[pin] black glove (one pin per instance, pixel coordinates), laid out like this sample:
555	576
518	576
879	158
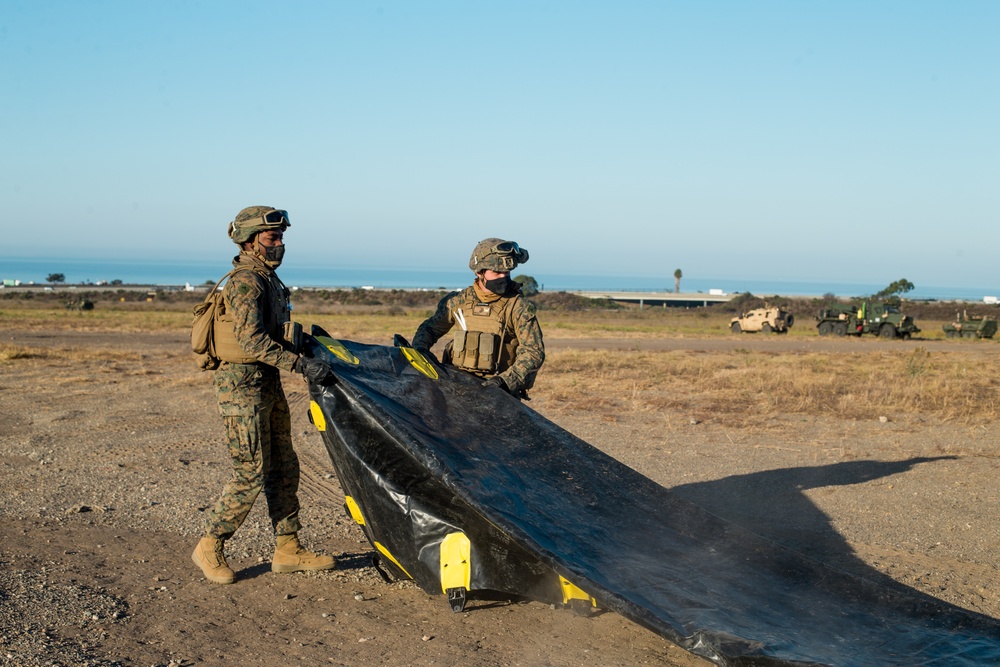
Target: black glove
314	370
497	381
399	341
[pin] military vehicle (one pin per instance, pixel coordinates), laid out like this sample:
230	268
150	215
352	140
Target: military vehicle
837	319
884	321
765	320
79	304
970	326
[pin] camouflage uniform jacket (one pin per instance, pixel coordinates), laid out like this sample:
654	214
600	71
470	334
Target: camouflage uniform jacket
521	350
259	304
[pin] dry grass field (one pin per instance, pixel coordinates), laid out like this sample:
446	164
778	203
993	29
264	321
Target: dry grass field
748	383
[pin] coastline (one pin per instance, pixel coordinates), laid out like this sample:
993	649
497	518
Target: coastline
94	274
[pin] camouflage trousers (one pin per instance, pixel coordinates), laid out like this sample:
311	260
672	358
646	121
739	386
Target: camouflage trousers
259	434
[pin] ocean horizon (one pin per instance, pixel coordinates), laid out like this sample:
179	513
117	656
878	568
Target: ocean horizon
175	274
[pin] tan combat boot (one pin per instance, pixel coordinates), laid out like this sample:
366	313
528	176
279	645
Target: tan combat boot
290	556
209	557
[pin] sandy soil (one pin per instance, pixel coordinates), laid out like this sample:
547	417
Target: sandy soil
111	450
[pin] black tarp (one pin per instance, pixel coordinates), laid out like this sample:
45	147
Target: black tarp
426	457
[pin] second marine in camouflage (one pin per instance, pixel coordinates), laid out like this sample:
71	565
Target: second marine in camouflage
497	336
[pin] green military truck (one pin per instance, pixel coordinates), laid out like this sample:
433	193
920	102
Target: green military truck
970	326
883	320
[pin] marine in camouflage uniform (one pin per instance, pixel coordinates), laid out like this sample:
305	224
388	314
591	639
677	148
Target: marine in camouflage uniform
252	402
498	337
253	405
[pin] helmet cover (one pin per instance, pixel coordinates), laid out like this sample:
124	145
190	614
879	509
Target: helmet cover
495	254
255	219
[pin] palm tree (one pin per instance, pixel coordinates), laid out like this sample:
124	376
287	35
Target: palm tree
677	280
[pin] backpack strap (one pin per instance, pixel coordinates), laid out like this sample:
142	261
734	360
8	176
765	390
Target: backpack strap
235	270
508	310
216	288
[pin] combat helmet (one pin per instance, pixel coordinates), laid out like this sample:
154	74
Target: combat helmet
497	255
254	219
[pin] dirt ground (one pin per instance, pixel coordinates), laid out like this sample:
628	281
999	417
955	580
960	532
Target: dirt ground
110	451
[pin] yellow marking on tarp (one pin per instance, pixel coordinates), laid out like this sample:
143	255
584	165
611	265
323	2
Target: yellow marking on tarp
319	421
338	349
456	562
419	361
571	592
355	511
385	552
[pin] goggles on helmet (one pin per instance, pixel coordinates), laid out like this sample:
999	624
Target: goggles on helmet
509	254
506	248
495	254
277	217
255	219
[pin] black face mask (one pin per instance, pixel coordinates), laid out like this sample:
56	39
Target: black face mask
498	286
272	254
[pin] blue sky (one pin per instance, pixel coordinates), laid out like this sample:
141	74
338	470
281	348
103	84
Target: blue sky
846	141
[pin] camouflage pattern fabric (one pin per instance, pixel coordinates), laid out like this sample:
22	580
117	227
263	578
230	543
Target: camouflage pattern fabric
483	257
259	308
522	326
250	221
254	409
258	433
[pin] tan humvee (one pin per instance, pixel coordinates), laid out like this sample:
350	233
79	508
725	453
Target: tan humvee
766	320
